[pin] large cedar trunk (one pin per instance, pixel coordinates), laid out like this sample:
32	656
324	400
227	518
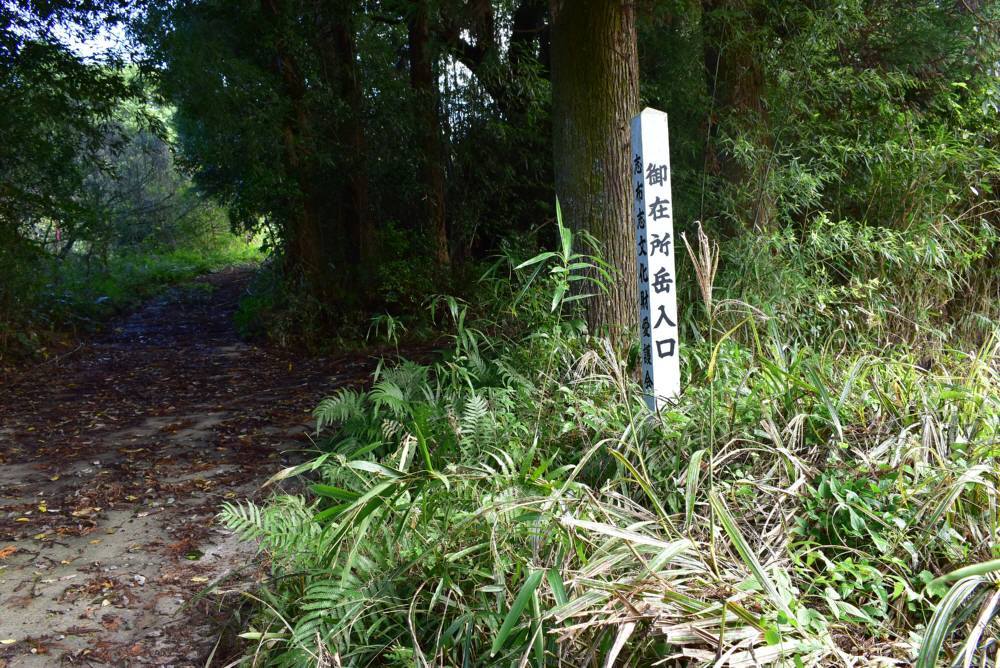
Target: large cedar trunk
595	93
330	240
303	253
425	87
736	83
358	247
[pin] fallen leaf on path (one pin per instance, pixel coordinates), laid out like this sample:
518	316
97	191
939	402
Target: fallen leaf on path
111	622
7	551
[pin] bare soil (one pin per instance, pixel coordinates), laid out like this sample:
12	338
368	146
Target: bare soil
115	459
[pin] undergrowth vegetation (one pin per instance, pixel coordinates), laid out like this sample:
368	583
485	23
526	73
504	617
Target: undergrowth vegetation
97	210
78	292
515	503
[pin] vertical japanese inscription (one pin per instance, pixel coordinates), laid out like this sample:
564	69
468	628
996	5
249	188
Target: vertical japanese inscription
653	217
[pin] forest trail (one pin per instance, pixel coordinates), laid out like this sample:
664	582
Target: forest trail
114	460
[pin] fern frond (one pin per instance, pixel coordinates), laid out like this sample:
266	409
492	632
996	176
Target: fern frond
474	413
244	519
339	408
387	394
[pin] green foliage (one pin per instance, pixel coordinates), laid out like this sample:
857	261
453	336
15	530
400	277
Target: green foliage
569	269
276	310
972	594
516	502
129	278
848	153
57	111
78	294
333	161
94	212
846	150
831	466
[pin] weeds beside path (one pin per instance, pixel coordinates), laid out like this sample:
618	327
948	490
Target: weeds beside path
115	458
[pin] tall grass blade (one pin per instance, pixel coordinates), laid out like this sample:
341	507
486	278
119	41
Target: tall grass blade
975	570
749	558
941	623
517	607
691	486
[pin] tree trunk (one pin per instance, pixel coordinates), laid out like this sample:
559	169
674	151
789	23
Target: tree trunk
425	87
595	93
304	251
338	51
736	82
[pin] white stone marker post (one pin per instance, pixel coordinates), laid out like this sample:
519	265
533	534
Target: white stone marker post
654	233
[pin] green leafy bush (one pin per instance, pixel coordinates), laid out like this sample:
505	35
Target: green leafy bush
516	502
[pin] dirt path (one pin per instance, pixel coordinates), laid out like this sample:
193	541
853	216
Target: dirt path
113	462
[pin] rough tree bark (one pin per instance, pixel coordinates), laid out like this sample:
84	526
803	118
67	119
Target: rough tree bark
330	240
736	82
304	251
595	93
425	86
340	67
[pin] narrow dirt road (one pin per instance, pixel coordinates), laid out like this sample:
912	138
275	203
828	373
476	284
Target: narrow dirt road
114	460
